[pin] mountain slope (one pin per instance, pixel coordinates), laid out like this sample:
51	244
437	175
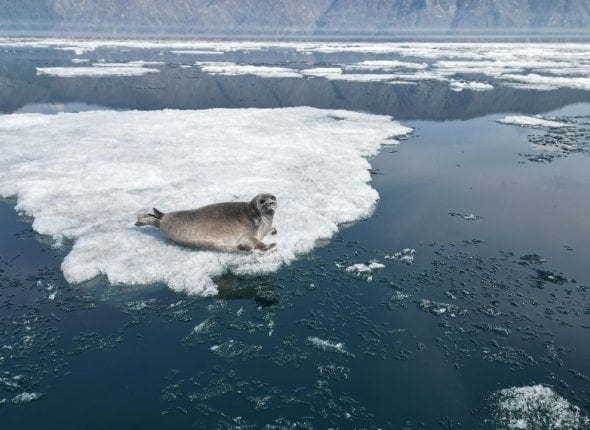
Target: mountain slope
369	17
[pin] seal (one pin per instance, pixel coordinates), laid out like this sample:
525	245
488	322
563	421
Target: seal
228	226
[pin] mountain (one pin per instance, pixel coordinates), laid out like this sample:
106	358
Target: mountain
296	17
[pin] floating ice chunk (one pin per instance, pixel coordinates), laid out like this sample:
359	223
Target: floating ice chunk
325	72
233	348
533	80
204	326
195	52
233	69
438	308
360	267
467	217
406	255
473	86
78	50
133	68
536	407
85	176
363	77
376	265
328	346
364	270
531	121
385	65
26	397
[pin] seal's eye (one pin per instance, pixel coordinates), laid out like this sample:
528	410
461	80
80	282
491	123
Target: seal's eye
262	201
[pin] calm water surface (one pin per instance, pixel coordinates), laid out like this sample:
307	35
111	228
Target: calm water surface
497	295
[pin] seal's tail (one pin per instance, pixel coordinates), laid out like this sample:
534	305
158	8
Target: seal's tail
150	219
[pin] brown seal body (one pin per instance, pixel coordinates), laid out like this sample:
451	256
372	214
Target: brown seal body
230	226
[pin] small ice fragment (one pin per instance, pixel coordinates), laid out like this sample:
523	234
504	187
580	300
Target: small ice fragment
536	407
26	398
376	265
328	346
359	267
406	256
202	327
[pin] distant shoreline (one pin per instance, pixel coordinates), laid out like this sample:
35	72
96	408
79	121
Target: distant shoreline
401	36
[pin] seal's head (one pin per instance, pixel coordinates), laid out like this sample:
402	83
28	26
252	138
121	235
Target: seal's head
265	203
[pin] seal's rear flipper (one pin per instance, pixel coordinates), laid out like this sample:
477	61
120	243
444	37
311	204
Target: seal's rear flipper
148	219
158	214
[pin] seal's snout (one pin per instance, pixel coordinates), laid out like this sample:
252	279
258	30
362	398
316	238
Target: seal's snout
266	203
271	204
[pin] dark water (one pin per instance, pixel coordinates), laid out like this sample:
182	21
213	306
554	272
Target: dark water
491	301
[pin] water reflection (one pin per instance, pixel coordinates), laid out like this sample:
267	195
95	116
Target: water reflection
183	86
261	289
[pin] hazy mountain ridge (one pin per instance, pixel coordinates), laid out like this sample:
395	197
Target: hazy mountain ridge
370	17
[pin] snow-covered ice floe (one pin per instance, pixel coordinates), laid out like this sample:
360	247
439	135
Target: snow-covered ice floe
531	121
536	407
85	177
132	68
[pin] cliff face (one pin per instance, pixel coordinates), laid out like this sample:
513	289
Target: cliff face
369	17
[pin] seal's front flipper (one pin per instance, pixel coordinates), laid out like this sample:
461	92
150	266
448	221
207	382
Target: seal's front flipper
252	243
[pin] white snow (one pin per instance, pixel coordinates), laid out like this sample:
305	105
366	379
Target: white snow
531	121
536	406
85	177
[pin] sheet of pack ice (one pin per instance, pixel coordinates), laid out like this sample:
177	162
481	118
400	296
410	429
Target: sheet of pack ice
85	176
539	66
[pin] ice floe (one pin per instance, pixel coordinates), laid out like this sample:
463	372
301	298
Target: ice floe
536	407
233	69
385	65
531	121
85	176
326	72
132	68
473	86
